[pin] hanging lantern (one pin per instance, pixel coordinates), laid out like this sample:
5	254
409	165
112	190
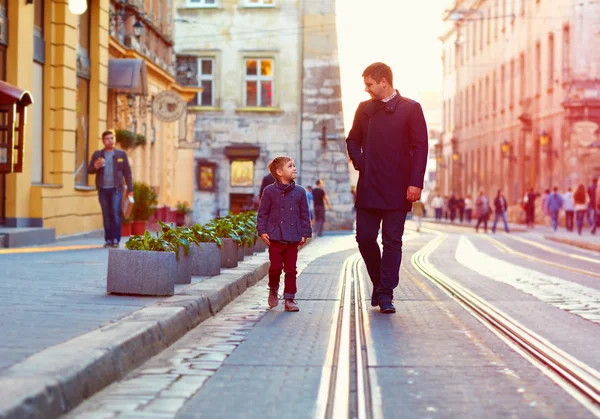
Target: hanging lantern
77	7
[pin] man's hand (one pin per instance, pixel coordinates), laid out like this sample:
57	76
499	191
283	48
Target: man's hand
303	241
99	163
130	194
413	193
265	237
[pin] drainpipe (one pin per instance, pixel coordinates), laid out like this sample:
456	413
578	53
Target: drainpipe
301	89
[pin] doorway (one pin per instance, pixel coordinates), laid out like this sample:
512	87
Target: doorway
2	199
239	202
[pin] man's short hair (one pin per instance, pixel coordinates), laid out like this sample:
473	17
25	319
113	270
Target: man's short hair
278	163
319	182
108	132
377	71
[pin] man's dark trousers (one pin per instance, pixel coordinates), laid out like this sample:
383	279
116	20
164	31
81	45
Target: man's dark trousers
384	270
319	219
110	202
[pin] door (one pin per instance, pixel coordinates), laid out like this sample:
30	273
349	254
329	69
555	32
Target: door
240	202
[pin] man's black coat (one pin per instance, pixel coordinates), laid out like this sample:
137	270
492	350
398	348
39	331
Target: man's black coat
388	146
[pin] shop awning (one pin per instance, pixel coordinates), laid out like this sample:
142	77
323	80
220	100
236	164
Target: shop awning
11	95
128	75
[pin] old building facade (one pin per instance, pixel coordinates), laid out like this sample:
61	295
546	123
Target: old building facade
521	96
270	74
66	62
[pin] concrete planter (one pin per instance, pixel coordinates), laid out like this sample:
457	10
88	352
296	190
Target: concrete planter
241	252
205	259
184	268
248	251
141	273
260	246
229	254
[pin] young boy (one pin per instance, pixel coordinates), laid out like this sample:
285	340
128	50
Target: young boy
284	225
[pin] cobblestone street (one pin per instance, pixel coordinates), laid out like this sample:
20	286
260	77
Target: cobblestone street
435	357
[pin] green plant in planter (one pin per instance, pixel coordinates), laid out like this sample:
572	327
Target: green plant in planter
176	237
206	234
149	243
245	226
126	139
140	140
145	201
224	227
183	208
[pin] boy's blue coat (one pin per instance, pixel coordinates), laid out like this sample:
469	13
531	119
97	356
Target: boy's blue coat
283	213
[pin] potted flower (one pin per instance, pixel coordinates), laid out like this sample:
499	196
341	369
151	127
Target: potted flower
145	204
245	227
126	139
205	250
147	266
179	241
224	228
126	225
182	209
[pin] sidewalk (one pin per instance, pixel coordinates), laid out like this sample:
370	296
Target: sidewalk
64	338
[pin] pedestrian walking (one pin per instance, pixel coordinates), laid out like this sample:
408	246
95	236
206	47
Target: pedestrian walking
468	209
418	209
482	208
592	210
283	223
311	202
446	207
320	199
452	207
460	203
581	200
569	207
500	206
268	179
555	204
388	146
529	201
438	205
545	208
111	166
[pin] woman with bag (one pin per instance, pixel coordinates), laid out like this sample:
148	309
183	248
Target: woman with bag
482	208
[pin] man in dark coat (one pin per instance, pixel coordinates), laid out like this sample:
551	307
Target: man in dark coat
388	146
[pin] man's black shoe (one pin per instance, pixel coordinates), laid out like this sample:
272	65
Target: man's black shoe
387	308
108	244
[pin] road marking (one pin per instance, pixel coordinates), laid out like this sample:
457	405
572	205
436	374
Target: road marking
22	250
536	259
552	250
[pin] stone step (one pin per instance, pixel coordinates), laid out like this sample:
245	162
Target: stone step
26	236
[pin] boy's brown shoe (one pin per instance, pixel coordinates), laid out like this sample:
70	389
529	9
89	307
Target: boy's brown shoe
273	298
291	305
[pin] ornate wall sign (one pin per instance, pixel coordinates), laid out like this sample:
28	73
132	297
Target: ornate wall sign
168	106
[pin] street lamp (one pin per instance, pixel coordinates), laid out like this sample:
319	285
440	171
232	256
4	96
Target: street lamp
130	100
544	138
138	28
77	7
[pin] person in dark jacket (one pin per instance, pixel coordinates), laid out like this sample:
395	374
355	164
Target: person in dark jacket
283	223
529	204
500	205
111	166
267	180
388	146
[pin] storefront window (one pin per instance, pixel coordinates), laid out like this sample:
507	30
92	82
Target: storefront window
82	102
3	45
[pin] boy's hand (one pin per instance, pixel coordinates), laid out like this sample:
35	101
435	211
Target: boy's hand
303	241
265	238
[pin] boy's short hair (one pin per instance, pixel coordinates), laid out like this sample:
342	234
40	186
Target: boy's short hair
108	132
278	163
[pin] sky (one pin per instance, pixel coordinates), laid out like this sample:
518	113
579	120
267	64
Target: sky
401	33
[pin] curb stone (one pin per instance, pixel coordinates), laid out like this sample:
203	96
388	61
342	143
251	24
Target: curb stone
576	243
55	380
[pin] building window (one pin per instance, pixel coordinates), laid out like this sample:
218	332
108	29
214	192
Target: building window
82	110
260	3
538	68
522	76
550	61
206	80
259	82
37	142
242	173
202	3
494	90
489	24
480	101
473	104
502	86
3	38
206	176
511	96
566	54
487	96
